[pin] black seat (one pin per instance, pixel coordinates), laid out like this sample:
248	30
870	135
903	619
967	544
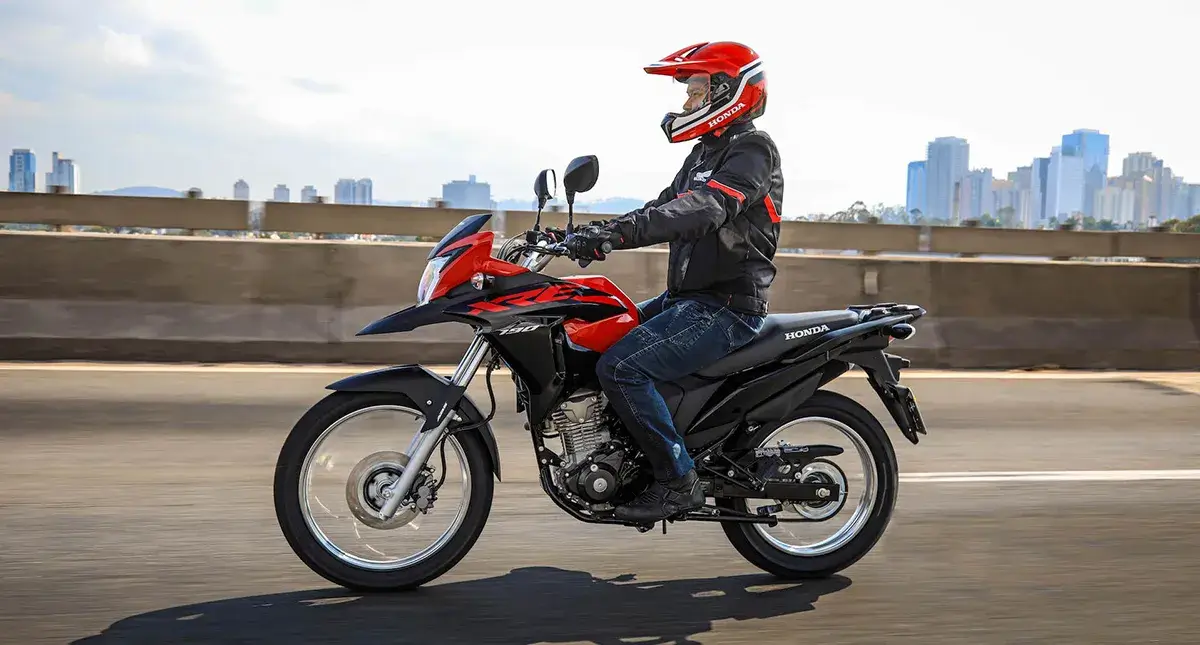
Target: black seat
773	340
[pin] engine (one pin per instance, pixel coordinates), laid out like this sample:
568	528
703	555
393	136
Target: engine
579	421
592	460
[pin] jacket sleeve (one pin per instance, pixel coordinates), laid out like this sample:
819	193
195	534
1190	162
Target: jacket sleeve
744	177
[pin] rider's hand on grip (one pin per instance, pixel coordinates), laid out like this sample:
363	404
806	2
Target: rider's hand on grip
589	243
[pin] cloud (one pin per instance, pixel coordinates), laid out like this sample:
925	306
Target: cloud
12	107
200	92
125	49
316	87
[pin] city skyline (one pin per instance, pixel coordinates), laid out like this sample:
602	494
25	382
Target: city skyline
1087	159
1072	183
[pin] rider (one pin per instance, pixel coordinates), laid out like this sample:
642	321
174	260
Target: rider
720	217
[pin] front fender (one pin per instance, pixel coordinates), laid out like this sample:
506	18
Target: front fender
428	391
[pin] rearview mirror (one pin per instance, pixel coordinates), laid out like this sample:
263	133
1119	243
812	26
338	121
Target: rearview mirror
581	175
544	187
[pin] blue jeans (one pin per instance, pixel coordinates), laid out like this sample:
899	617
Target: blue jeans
677	337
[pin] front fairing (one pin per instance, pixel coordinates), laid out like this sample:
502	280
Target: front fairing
466	228
454	306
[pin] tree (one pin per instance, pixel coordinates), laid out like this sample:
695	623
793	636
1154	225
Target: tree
1190	225
1008	217
857	212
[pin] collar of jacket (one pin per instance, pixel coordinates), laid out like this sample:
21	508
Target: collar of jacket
714	142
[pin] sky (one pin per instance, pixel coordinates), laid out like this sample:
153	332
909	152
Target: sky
182	93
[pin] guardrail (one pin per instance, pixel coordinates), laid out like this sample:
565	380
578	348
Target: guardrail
189	215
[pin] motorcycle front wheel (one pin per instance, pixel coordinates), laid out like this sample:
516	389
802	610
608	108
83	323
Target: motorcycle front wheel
331	480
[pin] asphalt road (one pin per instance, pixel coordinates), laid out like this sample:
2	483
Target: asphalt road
136	508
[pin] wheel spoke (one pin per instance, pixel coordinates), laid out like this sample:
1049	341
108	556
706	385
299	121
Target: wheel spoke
355	532
823	470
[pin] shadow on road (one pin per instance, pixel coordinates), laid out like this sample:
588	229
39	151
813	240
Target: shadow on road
530	605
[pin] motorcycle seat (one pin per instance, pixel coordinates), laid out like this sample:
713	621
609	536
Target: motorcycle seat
780	333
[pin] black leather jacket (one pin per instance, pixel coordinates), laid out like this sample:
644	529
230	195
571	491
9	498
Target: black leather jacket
721	217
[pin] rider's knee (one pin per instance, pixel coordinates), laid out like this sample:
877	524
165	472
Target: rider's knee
606	368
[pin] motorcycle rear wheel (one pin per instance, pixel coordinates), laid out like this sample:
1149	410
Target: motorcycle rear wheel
793	563
290	509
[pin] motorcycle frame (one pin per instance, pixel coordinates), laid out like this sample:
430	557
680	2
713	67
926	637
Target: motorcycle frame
707	411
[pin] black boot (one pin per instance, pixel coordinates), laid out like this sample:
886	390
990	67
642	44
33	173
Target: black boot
661	501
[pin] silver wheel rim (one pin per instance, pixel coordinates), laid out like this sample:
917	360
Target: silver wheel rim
372	565
862	510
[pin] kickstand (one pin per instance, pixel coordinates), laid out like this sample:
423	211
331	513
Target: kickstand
664	523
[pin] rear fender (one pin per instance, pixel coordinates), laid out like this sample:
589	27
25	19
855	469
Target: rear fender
431	393
883	372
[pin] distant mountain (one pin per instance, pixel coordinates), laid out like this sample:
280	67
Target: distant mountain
142	191
611	206
411	203
614	205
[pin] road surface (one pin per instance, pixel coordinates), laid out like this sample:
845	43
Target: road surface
137	509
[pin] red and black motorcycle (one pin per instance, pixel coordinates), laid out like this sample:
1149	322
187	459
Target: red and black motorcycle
352	525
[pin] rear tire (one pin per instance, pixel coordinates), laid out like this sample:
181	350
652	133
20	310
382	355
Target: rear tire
751	544
289	510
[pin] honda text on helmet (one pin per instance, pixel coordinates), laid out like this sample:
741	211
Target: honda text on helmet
725	83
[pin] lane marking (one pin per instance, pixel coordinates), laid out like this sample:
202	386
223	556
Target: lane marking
1051	476
1178	378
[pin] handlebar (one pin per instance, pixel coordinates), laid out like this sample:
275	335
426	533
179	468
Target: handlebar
560	249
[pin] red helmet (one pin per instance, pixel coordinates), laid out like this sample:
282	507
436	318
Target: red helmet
726	85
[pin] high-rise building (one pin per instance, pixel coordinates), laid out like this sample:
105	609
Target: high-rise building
1162	194
351	191
915	200
1064	198
1144	193
241	190
308	194
1137	162
467	194
64	173
364	192
22	171
1194	200
1092	146
1022	198
946	166
1039	190
1005	196
343	191
282	193
980	201
1180	199
1116	204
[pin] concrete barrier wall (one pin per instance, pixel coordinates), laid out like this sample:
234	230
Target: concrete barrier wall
218	214
107	297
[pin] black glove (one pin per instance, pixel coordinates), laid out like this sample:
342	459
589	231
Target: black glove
590	243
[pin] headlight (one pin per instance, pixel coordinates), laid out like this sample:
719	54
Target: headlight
429	279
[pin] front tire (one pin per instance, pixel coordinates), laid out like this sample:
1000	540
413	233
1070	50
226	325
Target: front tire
290	508
748	539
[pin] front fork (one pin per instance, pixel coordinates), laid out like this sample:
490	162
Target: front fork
422	445
434	429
